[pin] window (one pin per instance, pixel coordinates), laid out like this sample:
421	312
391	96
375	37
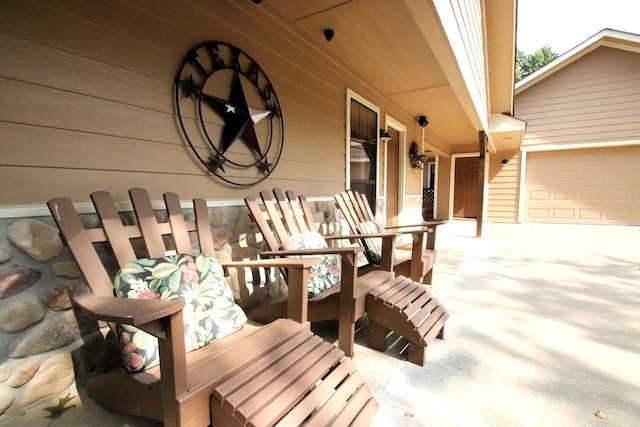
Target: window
362	150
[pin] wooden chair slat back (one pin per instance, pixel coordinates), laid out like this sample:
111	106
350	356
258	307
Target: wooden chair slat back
205	238
114	230
148	223
178	224
262	220
297	212
306	214
348	212
363	202
286	211
275	216
82	249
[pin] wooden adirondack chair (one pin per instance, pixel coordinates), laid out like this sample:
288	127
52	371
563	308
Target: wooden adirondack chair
280	217
392	303
280	373
416	262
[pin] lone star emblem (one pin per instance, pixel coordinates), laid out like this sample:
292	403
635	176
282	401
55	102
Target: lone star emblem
222	97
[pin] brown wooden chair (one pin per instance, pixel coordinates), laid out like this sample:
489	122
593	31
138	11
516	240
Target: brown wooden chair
392	303
277	374
281	216
416	261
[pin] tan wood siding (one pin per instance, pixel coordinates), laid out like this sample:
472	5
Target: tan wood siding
503	193
587	101
86	99
597	186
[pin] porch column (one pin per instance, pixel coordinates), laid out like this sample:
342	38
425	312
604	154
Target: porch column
482	142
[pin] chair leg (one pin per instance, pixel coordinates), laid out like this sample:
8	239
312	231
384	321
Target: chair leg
428	277
441	334
377	336
417	354
346	336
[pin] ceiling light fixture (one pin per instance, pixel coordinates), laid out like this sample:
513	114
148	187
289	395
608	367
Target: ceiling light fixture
328	34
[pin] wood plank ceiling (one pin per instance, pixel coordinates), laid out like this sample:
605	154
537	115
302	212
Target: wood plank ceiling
382	41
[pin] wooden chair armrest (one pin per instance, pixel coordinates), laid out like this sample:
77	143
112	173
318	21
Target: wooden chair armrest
128	311
405	229
428	228
274	262
349	250
428	225
298	275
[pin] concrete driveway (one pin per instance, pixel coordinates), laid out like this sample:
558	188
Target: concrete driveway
544	331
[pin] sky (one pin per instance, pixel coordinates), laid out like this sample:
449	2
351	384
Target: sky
564	24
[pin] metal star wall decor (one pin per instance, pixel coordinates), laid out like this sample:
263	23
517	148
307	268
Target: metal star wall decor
229	113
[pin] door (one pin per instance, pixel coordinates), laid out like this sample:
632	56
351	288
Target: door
393	181
593	186
465	190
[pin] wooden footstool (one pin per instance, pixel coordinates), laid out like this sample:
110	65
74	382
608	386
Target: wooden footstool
409	309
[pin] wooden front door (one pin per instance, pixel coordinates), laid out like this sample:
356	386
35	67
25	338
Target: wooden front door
465	190
392	165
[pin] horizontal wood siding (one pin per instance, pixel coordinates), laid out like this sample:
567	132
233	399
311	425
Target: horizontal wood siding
86	98
504	180
590	100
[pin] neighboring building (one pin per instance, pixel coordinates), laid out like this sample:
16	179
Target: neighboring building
580	158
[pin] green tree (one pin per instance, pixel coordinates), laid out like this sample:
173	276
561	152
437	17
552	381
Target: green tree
527	64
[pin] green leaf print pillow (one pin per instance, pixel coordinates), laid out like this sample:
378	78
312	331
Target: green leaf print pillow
323	275
210	312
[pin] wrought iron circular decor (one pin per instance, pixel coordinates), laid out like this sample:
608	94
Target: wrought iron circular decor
229	113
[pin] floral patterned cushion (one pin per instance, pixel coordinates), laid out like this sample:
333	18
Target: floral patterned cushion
210	312
373	245
324	275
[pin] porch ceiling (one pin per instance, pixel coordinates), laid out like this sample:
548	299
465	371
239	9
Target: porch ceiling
385	43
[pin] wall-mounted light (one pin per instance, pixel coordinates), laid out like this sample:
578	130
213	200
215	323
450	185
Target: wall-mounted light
384	135
423	121
328	34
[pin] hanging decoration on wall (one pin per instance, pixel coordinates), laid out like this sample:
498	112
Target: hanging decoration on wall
416	158
229	113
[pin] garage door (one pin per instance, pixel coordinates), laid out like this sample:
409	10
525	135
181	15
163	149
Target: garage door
596	186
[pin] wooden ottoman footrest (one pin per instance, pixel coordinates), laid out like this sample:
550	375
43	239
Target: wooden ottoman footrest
298	381
409	309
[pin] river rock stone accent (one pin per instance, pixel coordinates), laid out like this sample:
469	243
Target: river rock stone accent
35	238
58	297
68	269
24	374
17	279
24	311
54	376
223	217
45	336
5	253
5	373
6	400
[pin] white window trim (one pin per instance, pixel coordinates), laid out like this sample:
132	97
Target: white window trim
390	122
353	95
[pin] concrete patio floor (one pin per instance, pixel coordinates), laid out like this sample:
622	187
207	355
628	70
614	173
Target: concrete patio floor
544	331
